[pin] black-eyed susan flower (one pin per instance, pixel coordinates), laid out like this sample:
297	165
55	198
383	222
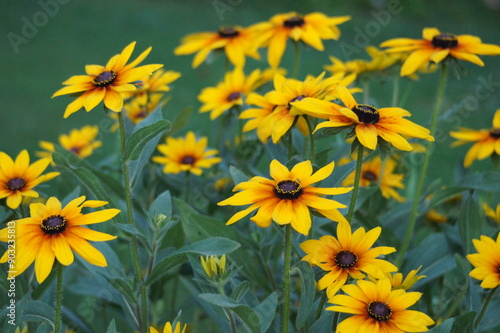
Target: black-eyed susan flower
81	141
350	254
237	42
398	282
436	47
381	173
487	141
283	98
486	261
168	328
493	214
186	154
287	197
311	29
434	216
230	92
257	114
106	83
213	266
376	308
55	232
153	84
19	177
369	122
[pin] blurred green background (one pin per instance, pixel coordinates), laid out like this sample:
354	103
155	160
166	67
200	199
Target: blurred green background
77	33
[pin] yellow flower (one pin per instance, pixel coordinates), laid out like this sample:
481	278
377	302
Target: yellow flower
287	197
371	174
186	154
349	254
284	113
230	92
213	265
237	42
106	83
18	178
81	141
435	216
397	281
487	141
311	29
152	84
136	111
436	46
493	214
169	329
369	122
376	308
486	261
53	232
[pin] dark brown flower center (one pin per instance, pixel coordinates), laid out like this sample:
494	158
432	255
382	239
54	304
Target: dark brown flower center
233	96
379	311
228	32
188	160
54	224
346	259
295	21
370	176
104	79
298	98
445	41
495	133
366	113
76	150
288	189
15	184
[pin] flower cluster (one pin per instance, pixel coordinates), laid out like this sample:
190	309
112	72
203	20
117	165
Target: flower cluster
351	234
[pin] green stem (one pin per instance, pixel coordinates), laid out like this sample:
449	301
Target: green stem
130	216
228	311
423	171
357	176
456	303
335	322
321	305
296	59
290	144
59	298
485	306
366	91
395	89
286	278
188	185
311	139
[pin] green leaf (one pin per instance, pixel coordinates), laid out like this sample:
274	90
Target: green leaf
39	312
212	246
469	222
111	327
237	175
87	179
124	287
444	327
266	311
197	227
161	205
464	323
181	119
483	181
139	139
307	292
240	291
247	315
